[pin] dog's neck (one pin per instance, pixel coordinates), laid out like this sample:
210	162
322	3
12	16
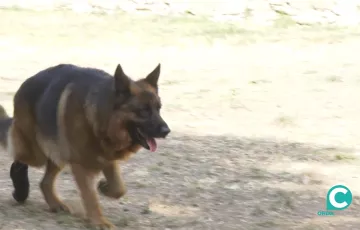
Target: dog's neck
98	106
114	144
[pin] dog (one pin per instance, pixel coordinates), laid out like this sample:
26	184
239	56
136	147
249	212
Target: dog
85	118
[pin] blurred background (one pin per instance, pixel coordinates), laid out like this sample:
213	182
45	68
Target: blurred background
262	98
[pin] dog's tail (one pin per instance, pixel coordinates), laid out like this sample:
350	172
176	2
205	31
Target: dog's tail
5	122
18	170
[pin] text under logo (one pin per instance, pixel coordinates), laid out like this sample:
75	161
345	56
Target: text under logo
339	197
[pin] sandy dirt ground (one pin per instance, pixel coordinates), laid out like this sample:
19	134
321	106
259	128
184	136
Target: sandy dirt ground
264	121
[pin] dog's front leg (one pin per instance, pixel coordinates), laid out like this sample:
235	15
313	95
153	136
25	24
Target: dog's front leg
113	186
85	180
47	187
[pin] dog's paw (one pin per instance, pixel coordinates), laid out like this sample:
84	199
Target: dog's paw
110	191
103	186
102	224
59	207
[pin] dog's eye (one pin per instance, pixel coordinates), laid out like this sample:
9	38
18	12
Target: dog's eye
116	107
145	112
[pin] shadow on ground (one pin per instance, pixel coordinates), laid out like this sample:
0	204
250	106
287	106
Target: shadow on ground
208	182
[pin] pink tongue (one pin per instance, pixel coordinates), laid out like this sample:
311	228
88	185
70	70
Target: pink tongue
152	144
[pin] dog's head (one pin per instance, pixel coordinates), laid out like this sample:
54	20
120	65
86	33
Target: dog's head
136	109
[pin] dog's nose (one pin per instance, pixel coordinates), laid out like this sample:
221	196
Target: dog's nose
164	130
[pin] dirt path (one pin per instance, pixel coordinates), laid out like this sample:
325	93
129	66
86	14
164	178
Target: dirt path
264	122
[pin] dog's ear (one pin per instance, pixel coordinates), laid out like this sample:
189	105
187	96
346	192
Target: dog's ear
122	81
153	77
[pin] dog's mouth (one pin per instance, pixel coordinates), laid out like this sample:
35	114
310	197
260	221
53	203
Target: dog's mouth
147	142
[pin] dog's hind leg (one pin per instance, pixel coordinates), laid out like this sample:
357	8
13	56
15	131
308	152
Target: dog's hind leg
25	152
47	187
23	147
20	180
113	186
18	170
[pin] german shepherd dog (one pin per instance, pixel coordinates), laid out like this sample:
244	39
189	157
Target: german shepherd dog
87	119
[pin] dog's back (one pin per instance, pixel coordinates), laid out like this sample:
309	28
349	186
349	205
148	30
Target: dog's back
39	107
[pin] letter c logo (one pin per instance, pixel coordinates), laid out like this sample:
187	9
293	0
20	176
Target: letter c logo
339	197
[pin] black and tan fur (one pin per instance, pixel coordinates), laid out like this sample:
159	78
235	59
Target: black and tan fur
85	118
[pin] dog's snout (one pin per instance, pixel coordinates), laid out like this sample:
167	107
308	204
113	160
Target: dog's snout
164	130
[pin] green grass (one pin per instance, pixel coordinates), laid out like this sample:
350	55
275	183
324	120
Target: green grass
342	157
63	28
284	121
